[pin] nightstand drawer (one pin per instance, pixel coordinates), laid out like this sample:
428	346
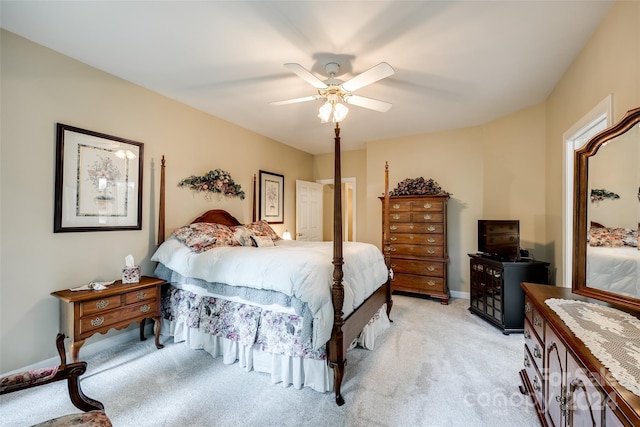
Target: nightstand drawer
140	295
99	305
90	324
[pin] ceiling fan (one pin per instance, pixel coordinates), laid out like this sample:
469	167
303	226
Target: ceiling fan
336	91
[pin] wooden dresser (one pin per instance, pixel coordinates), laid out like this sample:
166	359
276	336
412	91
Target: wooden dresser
568	385
418	244
85	313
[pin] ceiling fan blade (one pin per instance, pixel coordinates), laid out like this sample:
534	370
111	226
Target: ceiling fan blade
373	74
306	75
372	104
293	101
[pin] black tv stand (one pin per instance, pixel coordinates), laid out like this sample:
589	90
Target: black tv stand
495	291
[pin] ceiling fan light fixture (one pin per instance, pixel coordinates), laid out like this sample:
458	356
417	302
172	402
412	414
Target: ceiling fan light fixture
338	110
325	112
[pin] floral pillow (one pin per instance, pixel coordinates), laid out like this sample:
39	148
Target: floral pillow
263	229
202	236
607	237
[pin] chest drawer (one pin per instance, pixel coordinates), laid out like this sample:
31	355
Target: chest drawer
427	268
533	344
417	250
418	283
100	305
417	239
427	206
417	228
427	217
534	375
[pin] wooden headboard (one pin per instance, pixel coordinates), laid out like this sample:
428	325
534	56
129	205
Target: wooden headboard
218	216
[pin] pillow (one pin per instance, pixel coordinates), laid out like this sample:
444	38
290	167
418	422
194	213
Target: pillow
202	236
262	242
606	237
263	229
243	236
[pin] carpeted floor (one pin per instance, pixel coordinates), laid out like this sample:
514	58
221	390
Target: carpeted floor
436	366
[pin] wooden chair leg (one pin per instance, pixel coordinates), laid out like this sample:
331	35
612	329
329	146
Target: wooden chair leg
79	399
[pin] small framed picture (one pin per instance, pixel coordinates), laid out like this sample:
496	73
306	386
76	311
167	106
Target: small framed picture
271	197
98	183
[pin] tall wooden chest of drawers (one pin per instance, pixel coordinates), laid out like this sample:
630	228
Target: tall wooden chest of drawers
418	244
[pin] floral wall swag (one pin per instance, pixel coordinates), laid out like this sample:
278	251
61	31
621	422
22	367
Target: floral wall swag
216	181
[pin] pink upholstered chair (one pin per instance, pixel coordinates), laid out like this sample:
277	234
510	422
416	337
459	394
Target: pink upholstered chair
94	411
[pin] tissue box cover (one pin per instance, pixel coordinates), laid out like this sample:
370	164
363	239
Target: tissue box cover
131	274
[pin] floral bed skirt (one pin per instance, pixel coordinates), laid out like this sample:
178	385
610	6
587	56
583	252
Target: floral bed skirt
258	339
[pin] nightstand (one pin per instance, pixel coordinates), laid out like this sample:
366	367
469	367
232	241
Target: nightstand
85	313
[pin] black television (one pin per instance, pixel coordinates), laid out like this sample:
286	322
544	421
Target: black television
499	239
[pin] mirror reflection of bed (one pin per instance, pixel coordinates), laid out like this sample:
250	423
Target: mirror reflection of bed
613	255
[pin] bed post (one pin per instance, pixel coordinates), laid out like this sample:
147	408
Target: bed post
336	350
386	232
161	220
255	196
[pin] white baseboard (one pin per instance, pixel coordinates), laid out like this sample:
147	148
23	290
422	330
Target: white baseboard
460	294
91	349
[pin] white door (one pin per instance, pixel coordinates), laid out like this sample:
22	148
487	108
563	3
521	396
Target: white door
308	211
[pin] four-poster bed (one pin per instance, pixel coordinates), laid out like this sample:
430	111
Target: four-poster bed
319	319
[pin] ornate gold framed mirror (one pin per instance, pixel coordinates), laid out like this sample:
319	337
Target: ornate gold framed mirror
606	220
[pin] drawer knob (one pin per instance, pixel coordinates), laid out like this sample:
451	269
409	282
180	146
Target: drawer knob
431	251
537	321
527	362
527	308
412	226
527	334
537	353
393	227
392	248
427	216
431	228
396	217
431	283
97	321
102	304
411	237
145	308
431	240
536	384
393	239
431	268
427	205
141	295
393	265
396	206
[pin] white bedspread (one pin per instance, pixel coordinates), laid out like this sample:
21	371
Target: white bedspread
614	269
295	268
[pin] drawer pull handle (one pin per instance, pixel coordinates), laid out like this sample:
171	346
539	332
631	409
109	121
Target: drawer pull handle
393	227
427	205
392	248
536	384
141	295
393	239
396	217
102	304
527	362
412	226
431	240
497	274
145	308
431	283
396	206
537	321
527	334
97	321
431	228
536	352
393	265
411	237
431	268
427	216
431	251
527	308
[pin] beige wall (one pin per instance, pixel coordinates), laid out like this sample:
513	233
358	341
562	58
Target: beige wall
39	89
608	64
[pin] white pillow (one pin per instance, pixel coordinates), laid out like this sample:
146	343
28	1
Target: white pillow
262	241
243	236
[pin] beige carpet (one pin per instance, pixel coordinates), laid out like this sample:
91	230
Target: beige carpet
436	366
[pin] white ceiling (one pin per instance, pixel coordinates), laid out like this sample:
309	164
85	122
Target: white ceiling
457	63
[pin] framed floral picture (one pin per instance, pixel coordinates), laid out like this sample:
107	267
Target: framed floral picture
271	197
98	184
